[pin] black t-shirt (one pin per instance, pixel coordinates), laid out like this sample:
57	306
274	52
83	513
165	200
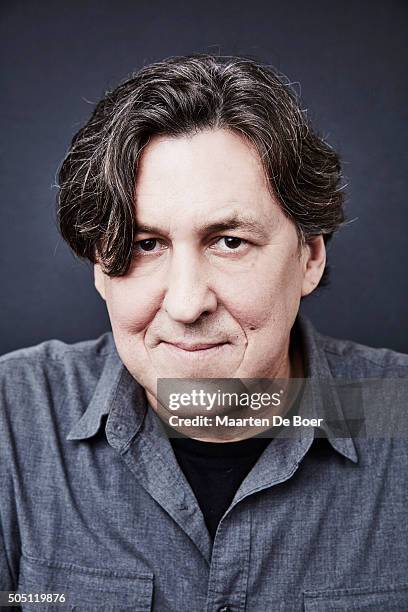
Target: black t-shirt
215	471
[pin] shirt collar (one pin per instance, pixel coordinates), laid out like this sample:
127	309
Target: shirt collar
116	392
118	395
324	399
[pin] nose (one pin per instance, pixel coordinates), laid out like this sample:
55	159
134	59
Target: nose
188	295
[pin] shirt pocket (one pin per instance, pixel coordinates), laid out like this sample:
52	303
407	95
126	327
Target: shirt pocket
392	598
85	588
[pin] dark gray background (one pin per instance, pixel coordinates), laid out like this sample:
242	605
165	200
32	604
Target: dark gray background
349	57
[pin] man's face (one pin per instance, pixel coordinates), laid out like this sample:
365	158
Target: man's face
217	275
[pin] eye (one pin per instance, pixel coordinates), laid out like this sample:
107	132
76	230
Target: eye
148	245
230	243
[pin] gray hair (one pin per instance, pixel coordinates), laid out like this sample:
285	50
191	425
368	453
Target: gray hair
180	96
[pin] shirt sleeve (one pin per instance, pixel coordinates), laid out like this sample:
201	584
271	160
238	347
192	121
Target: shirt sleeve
9	533
6	581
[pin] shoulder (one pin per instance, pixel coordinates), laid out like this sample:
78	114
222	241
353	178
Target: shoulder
349	358
39	379
57	350
52	355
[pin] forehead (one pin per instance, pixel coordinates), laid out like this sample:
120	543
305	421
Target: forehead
200	175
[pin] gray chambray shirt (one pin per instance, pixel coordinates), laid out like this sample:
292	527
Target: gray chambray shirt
94	505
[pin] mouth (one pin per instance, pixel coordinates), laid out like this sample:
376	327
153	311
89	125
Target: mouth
196	349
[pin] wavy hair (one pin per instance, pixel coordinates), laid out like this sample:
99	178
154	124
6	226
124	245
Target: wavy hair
179	96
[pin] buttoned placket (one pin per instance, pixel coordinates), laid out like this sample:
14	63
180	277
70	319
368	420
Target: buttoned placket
137	434
149	456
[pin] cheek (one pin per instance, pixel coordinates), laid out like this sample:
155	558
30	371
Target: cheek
268	292
131	308
250	305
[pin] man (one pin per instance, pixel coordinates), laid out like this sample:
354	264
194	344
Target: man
204	200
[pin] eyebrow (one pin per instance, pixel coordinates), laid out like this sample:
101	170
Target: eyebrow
234	221
237	222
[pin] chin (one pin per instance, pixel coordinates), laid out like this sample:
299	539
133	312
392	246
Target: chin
196	372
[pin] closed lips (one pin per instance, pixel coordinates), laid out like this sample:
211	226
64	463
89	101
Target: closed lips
201	346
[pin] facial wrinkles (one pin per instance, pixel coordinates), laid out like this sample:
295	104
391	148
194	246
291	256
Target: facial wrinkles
212	328
234	316
131	306
217	326
255	294
183	272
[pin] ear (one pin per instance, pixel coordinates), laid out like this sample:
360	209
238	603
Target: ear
314	260
99	280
